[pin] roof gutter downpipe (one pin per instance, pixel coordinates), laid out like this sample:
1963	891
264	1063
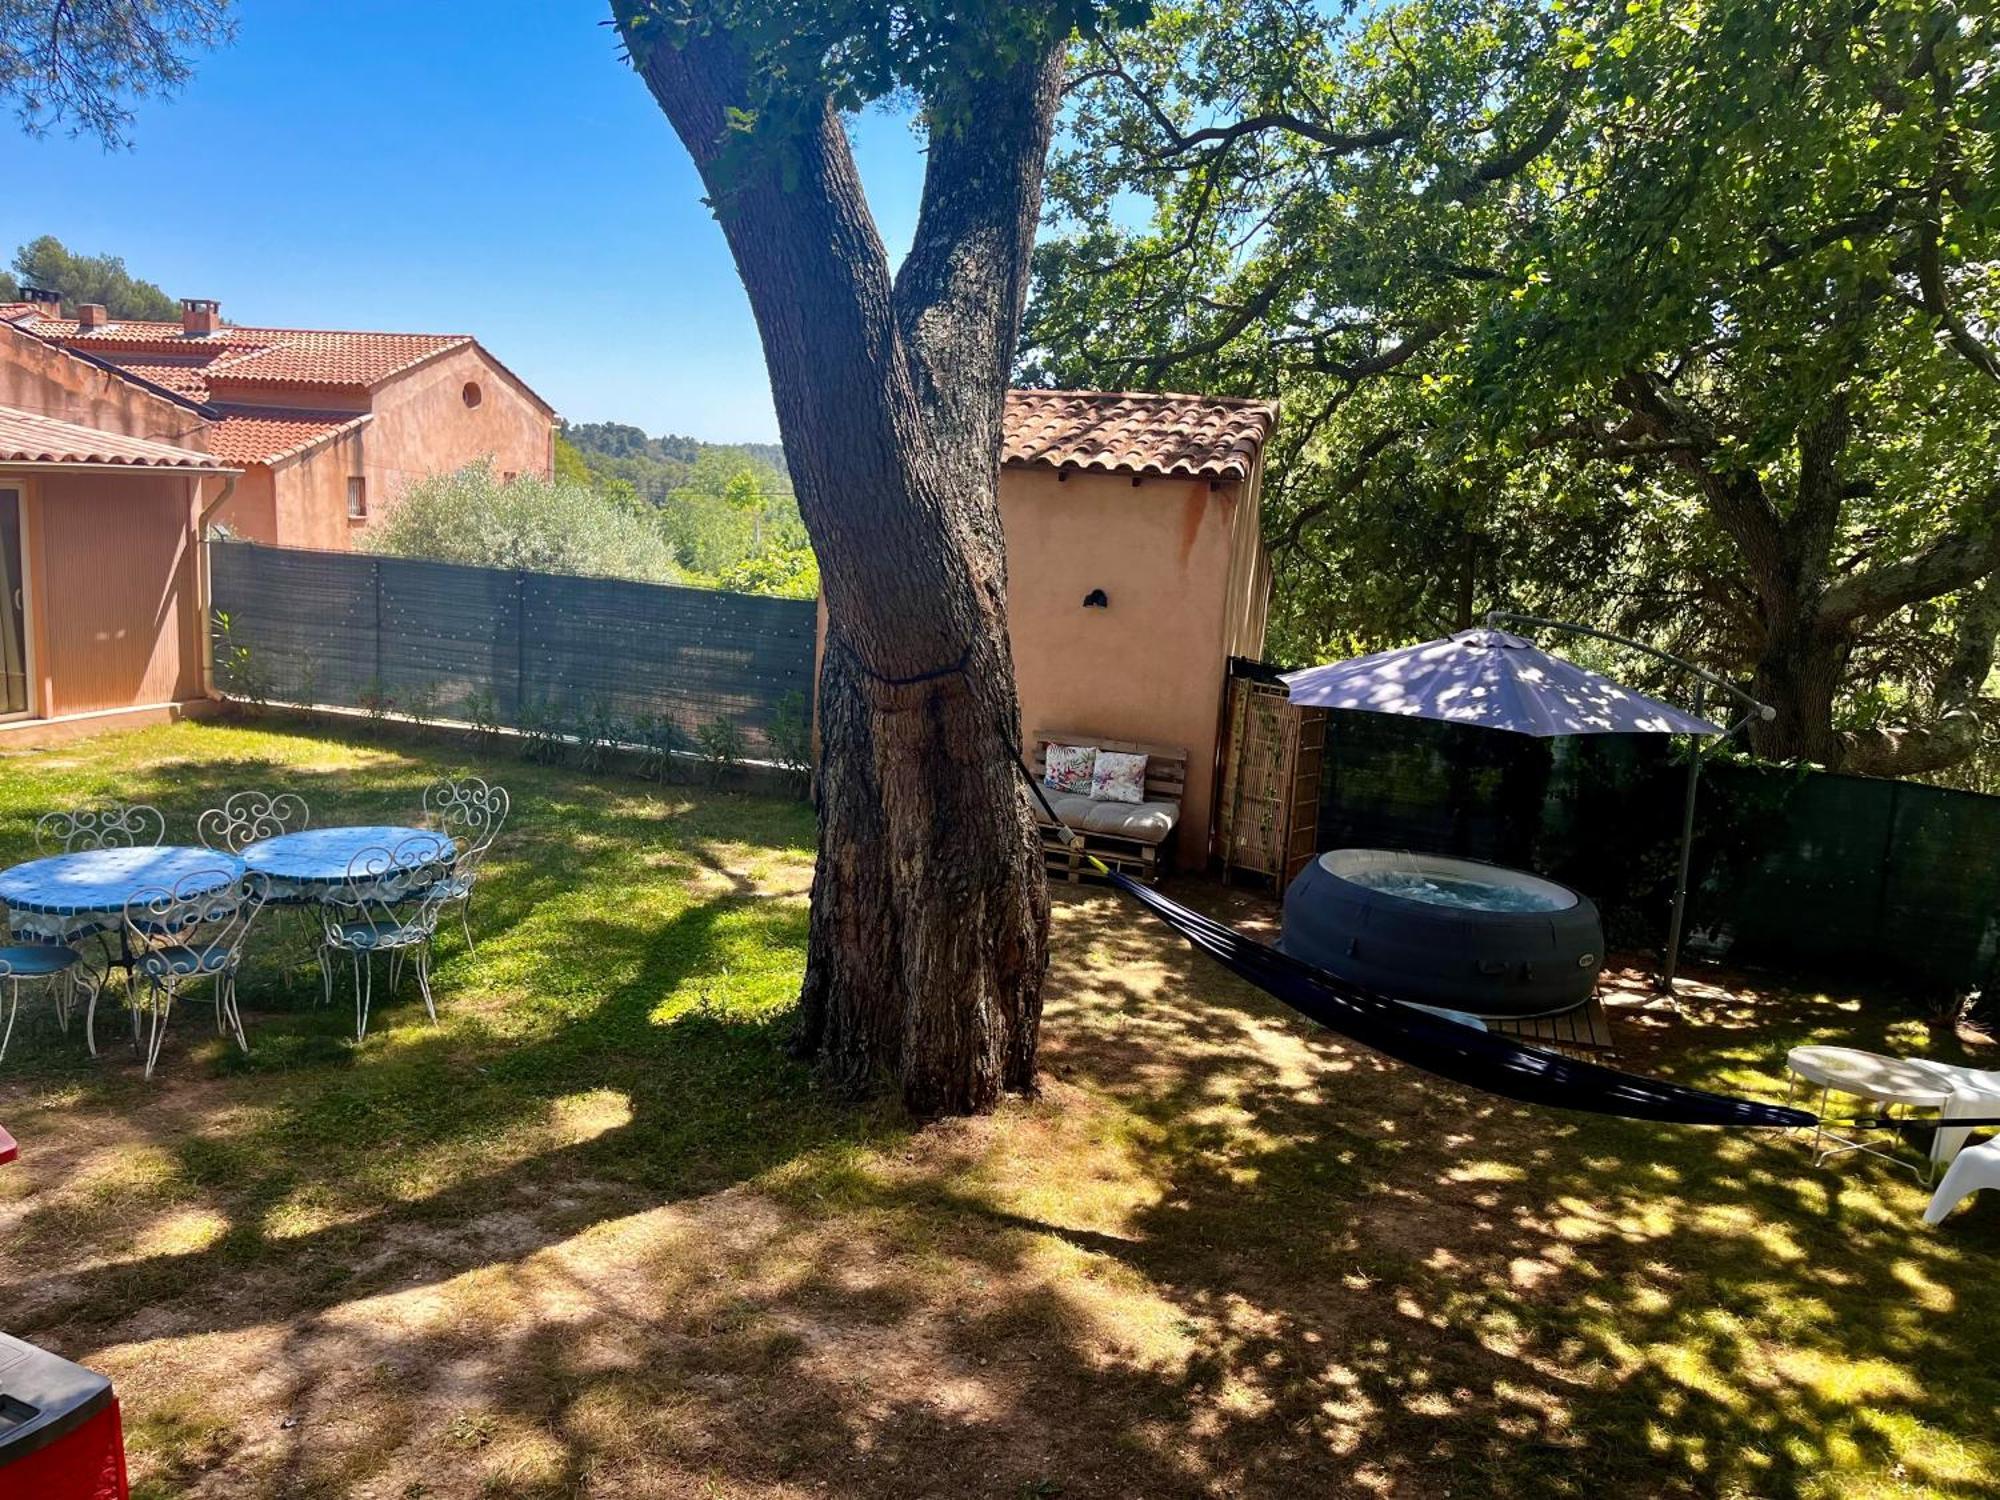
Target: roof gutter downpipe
202	589
1704	680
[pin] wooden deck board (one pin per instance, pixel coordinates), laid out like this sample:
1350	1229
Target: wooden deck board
1587	1029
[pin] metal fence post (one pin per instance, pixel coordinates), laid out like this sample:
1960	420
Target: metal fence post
520	645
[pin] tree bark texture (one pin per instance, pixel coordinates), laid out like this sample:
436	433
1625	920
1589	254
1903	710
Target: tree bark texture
928	938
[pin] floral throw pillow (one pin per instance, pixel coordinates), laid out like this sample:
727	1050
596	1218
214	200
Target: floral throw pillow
1118	778
1069	767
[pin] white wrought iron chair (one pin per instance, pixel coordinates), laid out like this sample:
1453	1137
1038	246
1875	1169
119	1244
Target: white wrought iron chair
389	904
119	825
470	812
191	932
115	825
249	817
61	968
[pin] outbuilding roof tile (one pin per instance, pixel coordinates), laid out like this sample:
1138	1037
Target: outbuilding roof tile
264	435
1137	432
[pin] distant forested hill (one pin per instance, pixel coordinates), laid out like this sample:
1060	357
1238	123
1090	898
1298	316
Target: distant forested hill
726	509
657	466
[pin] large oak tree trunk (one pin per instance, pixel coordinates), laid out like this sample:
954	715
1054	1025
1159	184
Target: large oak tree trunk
1798	673
929	924
929	909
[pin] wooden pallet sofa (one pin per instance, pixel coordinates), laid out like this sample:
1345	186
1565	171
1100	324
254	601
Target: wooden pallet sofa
1131	837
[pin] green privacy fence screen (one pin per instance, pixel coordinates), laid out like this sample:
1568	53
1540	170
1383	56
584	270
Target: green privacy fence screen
352	630
1816	872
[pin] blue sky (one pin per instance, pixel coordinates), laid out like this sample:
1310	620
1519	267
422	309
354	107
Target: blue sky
489	169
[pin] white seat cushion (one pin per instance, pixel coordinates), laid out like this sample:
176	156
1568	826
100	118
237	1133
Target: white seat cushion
1147	822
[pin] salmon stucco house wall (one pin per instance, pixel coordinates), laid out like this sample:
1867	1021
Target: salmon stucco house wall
1135	570
123	443
328	427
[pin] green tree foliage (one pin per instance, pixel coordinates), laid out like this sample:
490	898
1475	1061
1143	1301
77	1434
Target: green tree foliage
47	262
727	510
546	526
80	65
1669	314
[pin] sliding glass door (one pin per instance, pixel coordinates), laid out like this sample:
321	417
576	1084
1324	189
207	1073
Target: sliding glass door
13	609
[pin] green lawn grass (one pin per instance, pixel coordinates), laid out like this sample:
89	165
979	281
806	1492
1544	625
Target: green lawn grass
597	1234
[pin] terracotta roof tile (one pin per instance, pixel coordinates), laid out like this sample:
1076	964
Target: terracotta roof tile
262	435
177	376
29	438
1136	432
238	356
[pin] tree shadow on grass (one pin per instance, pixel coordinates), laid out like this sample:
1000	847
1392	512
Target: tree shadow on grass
1230	1255
1338	1278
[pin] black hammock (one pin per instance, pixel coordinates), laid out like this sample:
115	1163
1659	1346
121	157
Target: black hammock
1452	1049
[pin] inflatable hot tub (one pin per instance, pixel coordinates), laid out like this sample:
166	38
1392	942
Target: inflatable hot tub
1454	933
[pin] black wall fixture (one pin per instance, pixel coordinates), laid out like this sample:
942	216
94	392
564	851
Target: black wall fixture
1097	599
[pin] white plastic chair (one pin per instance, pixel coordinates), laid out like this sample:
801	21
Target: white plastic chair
1973	1168
1975	1095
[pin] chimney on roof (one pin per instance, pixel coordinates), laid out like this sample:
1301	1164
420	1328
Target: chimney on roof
48	303
91	315
200	316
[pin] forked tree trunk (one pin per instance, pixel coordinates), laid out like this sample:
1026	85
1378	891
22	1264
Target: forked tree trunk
929	910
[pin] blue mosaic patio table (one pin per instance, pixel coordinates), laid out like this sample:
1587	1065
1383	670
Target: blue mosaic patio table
305	866
69	895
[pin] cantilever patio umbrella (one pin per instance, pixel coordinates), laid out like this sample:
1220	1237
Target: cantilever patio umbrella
1495	680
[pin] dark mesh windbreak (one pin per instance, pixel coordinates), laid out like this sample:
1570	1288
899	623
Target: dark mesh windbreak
351	630
1821	872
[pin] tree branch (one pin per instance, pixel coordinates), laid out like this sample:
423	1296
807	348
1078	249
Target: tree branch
1954	561
1735	497
959	295
1179	142
1937	302
1341	142
1384	360
1510	163
1349	481
1961	713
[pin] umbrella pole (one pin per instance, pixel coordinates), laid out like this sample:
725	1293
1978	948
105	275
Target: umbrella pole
1673	952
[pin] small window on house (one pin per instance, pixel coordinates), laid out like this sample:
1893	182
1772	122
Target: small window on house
508	476
471	394
357	499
